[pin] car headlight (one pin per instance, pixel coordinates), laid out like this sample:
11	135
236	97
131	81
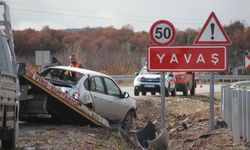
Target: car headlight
137	79
142	79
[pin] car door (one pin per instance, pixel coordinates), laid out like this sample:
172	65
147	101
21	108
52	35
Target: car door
97	90
117	107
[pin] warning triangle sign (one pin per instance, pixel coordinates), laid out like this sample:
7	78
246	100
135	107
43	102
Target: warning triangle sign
212	33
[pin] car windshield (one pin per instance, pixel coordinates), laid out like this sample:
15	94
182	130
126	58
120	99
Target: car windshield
145	71
67	76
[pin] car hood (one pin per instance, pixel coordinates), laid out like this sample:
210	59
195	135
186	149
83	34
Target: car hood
64	89
149	76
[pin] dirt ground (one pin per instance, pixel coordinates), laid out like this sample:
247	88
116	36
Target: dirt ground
186	117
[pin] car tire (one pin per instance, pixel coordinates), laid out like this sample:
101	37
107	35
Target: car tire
173	93
143	93
136	92
185	92
166	92
192	91
127	122
152	93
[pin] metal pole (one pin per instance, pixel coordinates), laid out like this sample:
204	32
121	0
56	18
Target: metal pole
211	116
162	113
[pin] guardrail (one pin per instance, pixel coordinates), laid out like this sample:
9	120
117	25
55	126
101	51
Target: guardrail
235	109
221	78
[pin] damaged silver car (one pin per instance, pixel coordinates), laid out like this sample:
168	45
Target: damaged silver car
96	90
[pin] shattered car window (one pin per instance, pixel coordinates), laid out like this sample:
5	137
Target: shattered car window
63	75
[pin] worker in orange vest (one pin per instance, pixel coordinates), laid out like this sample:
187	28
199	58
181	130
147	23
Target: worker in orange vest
73	63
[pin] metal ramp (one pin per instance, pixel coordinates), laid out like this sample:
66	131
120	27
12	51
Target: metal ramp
60	103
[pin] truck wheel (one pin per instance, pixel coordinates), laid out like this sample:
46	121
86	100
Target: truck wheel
11	142
185	92
136	92
166	92
127	122
152	93
143	93
173	93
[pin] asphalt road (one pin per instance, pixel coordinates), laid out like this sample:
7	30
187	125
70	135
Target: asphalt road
200	89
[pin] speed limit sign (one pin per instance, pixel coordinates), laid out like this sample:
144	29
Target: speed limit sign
162	32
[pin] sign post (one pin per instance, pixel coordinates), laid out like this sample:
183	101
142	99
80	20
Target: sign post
162	33
212	33
162	113
211	103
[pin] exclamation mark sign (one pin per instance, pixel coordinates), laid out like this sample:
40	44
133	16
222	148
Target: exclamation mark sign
212	30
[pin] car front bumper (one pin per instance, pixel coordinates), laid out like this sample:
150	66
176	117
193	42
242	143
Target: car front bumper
180	87
148	88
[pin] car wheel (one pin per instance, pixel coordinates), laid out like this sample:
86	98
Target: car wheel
192	91
127	122
185	92
136	92
166	92
173	93
152	93
143	93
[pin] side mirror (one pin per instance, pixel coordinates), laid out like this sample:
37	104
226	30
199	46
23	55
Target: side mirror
21	68
125	95
137	73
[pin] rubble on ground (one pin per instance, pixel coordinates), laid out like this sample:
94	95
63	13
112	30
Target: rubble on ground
187	122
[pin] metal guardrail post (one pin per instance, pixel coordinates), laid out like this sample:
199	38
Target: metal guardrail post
248	115
222	108
225	94
235	108
244	114
236	117
240	112
230	107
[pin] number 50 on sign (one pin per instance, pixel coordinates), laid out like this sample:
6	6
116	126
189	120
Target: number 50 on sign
162	32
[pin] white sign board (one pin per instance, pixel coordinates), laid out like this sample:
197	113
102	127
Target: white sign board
42	57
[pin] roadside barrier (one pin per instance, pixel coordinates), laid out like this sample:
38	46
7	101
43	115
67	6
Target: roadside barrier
203	78
235	109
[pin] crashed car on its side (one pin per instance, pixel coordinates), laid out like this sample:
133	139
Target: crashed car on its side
96	90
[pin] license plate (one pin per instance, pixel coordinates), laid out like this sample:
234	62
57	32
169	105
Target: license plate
149	86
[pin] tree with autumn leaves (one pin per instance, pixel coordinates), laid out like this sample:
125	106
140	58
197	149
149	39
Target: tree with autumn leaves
110	50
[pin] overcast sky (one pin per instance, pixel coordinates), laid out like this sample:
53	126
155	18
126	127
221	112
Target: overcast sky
141	14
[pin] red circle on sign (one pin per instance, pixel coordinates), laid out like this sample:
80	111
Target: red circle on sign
165	37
